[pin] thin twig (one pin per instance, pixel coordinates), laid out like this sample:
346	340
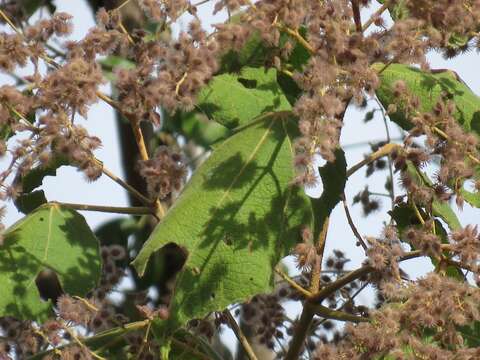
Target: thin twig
240	335
297	36
306	318
320	248
417	212
145	340
446	137
10	22
127	186
134	210
328	313
389	140
180	82
293	283
125	31
122	4
99	338
328	290
352	224
190	349
82	345
383	151
375	15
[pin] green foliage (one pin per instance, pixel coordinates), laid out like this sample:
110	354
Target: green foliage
237	217
234	100
473	198
397	9
116	231
29	199
254	53
428	87
29	7
51	238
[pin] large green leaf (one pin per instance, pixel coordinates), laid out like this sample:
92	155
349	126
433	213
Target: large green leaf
234	100
50	238
429	88
237	217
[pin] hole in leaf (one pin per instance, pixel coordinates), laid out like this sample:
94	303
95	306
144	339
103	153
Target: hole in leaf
227	240
212	295
249	84
41	219
170	260
48	285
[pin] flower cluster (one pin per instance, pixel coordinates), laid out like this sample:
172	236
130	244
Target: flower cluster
164	173
398	324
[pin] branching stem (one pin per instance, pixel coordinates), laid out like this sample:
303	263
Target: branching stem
293	283
383	151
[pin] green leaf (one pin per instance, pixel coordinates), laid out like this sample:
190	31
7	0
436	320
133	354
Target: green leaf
29	7
29	200
234	100
34	178
429	87
237	217
334	177
49	238
397	9
254	53
116	231
473	198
